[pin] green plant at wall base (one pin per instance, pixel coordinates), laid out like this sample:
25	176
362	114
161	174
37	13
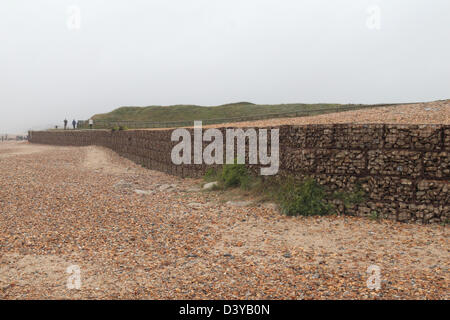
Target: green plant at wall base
114	129
246	182
307	198
234	175
374	215
349	199
210	175
123	128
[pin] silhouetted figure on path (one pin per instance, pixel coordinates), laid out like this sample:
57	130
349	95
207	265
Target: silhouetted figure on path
74	124
65	124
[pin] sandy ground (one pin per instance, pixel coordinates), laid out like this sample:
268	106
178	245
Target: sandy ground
12	148
66	206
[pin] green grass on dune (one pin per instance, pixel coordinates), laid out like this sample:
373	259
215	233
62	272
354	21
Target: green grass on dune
193	112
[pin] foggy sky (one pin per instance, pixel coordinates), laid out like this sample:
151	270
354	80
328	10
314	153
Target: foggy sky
209	52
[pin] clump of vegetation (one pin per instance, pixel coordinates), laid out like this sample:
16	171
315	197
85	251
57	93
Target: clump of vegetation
349	199
211	175
307	198
114	129
234	175
374	215
229	176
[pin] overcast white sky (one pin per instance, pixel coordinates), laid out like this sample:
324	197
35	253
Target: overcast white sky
209	52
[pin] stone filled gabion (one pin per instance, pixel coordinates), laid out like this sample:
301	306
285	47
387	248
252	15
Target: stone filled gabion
404	169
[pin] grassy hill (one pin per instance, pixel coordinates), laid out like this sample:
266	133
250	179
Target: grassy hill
193	112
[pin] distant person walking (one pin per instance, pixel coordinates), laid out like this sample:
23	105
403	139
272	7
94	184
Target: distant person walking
65	124
91	123
74	124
